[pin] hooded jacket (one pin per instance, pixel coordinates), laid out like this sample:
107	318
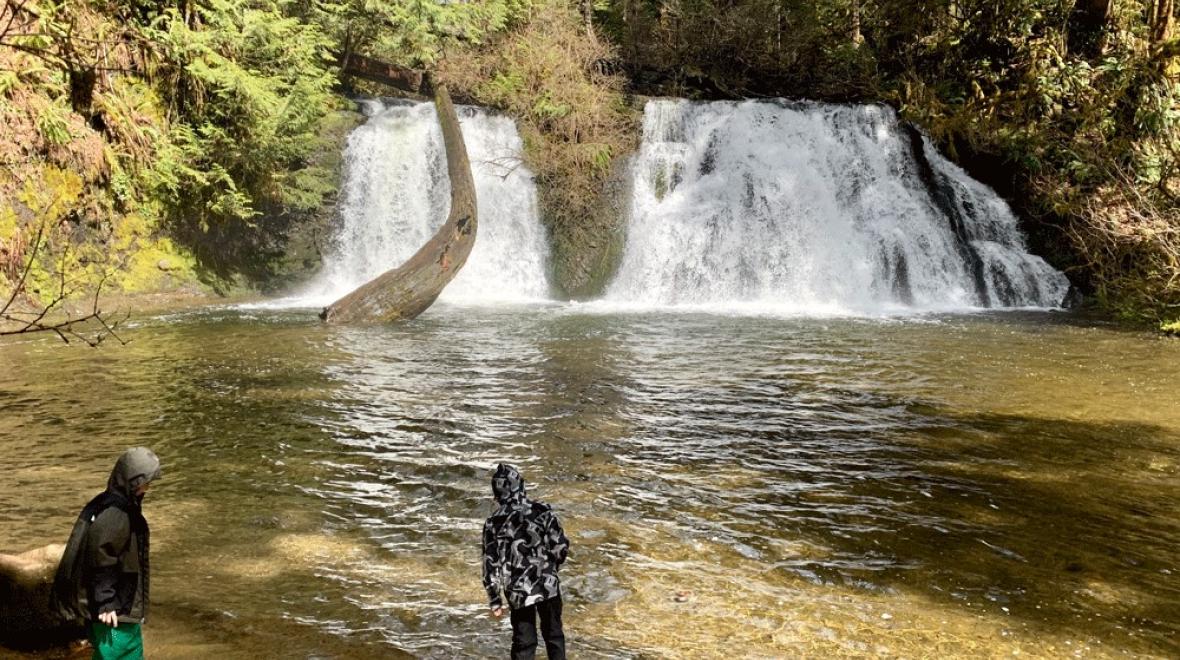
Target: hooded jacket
523	545
105	565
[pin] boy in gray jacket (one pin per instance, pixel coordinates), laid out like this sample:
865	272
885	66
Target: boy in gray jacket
103	577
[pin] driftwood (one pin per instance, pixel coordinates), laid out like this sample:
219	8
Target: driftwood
408	290
25	581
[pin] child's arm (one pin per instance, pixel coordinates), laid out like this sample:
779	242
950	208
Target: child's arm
491	565
559	545
109	536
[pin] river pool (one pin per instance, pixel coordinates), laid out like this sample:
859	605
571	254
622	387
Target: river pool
960	485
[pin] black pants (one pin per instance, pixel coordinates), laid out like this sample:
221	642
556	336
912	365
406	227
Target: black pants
524	630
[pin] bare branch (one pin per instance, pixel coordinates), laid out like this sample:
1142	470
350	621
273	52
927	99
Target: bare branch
28	322
14	10
507	164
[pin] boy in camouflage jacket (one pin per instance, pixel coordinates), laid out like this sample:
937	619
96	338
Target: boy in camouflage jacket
523	546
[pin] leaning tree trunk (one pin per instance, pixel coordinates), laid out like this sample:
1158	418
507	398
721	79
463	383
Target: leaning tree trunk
1087	27
406	291
1164	47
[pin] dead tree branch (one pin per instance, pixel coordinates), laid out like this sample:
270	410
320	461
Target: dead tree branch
46	317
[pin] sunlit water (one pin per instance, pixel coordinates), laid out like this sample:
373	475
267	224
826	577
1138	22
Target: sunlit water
979	485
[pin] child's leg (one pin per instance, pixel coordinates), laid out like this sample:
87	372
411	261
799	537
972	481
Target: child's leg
524	633
550	612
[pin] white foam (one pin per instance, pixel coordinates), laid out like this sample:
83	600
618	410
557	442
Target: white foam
816	210
396	194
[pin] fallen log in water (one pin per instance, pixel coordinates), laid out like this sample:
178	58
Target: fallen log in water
408	290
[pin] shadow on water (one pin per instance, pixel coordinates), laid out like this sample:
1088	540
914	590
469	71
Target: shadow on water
1067	526
1057	525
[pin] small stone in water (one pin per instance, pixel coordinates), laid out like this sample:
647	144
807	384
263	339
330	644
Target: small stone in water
682	596
887	616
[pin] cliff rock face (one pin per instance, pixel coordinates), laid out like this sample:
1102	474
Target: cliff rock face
408	290
586	254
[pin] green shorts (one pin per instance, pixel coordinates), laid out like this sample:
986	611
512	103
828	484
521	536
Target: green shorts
122	643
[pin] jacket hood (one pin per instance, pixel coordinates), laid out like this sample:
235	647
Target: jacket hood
507	484
136	467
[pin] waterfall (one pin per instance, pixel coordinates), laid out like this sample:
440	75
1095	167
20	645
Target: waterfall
396	193
814	208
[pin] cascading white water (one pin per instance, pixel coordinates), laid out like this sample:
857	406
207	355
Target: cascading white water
396	193
815	208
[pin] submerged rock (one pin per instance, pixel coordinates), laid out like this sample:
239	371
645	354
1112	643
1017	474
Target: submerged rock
595	587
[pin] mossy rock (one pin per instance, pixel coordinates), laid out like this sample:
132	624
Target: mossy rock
586	253
26	620
305	232
281	248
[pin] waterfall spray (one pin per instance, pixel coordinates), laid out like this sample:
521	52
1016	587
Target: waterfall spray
396	193
815	208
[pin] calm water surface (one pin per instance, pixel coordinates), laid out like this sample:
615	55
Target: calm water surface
734	487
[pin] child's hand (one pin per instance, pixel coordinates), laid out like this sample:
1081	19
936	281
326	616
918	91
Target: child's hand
497	612
109	618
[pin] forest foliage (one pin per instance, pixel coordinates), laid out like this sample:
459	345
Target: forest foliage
157	141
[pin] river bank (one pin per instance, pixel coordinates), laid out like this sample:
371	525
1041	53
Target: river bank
123	308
